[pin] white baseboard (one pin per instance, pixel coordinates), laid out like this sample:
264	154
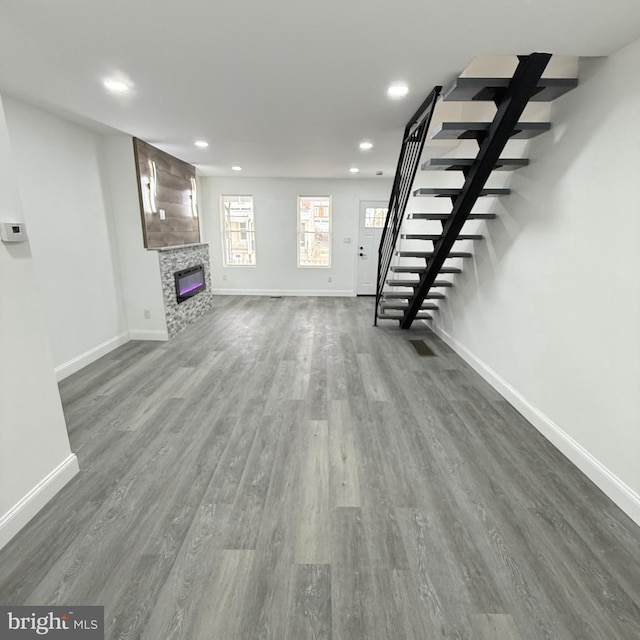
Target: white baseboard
158	335
20	514
625	497
337	293
75	364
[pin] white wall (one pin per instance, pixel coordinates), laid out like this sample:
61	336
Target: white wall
35	457
141	284
66	207
549	309
275	204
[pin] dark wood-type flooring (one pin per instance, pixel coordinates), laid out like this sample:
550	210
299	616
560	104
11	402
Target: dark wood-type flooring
282	470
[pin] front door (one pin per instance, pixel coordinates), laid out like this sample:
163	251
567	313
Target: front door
373	214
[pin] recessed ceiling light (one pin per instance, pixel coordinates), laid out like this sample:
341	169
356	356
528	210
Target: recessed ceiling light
236	168
354	170
398	90
116	86
365	145
202	144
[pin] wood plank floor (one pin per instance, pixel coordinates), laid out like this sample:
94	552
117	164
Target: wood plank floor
282	470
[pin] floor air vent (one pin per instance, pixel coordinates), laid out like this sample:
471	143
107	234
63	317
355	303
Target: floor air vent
421	347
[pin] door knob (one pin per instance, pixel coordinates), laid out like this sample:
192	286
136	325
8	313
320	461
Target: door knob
361	254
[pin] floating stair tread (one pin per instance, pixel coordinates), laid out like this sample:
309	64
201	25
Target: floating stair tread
458	164
429	254
418	269
445	216
448	192
399	295
437	236
415	283
466	89
399	315
468	130
415	269
427	306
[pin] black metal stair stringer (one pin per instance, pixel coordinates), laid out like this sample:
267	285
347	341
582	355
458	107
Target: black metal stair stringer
521	88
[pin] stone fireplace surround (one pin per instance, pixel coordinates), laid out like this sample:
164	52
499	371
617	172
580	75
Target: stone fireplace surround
174	259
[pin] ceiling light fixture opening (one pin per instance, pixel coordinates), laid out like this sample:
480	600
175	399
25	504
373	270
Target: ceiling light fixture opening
398	90
365	145
236	168
354	170
201	144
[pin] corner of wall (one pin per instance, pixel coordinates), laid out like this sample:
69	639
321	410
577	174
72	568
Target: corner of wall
140	280
20	515
35	457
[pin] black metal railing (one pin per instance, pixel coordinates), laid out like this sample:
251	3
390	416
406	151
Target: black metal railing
415	134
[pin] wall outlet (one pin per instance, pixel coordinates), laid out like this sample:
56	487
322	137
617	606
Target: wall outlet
162	214
147	314
329	279
224	276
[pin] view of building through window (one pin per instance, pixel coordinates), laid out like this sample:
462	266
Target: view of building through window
314	231
375	217
238	230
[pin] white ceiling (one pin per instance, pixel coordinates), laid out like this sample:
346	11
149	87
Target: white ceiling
285	88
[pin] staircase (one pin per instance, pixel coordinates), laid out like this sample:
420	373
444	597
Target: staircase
409	280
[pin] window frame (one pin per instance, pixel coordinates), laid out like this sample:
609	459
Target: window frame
299	231
227	247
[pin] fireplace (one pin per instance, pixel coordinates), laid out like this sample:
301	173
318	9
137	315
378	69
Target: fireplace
189	282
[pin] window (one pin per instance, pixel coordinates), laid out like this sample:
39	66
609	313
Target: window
375	217
314	231
238	231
